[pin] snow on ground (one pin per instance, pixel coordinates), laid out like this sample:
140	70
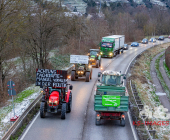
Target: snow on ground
19	109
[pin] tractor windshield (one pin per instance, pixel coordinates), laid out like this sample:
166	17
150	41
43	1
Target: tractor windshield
107	45
111	79
93	53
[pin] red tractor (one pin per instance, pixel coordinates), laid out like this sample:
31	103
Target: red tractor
55	99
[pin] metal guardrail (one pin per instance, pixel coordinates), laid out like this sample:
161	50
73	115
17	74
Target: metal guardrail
140	107
18	123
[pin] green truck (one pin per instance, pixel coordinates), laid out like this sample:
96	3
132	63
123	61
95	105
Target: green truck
111	100
94	57
112	45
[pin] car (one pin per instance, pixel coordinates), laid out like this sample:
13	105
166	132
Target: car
145	41
161	38
135	44
152	39
126	47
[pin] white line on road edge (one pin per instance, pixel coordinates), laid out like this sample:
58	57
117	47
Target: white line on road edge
29	127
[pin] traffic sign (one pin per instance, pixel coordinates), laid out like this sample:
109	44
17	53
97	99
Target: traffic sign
10	84
11	92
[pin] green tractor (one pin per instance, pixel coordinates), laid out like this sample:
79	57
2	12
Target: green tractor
81	70
94	57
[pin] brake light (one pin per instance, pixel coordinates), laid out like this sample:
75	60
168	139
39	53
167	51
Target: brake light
123	116
98	115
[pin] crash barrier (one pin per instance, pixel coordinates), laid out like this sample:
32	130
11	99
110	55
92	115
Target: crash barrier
19	122
150	131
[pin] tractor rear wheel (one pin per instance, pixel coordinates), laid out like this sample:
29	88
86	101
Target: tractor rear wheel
69	104
91	75
87	76
97	64
63	111
42	110
72	75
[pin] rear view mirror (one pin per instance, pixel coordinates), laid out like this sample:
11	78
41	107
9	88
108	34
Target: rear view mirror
99	74
71	87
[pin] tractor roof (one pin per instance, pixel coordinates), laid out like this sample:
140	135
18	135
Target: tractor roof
94	49
111	72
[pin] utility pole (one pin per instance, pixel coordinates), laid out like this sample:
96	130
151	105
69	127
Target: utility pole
100	7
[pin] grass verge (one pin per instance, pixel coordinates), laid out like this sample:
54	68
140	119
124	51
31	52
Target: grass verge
140	75
166	69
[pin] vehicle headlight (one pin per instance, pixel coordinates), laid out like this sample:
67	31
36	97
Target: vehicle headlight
81	72
50	101
101	53
89	66
56	102
110	53
78	71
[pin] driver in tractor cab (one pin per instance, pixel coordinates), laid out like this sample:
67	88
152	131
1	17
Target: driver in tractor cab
111	80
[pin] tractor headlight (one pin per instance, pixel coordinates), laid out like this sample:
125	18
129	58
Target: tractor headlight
89	66
101	53
110	53
78	71
56	102
81	72
50	101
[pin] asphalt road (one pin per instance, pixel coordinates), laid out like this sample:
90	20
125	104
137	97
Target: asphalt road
80	123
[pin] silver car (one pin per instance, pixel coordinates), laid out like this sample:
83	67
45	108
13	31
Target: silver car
152	40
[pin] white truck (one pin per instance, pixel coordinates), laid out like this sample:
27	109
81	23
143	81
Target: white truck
112	45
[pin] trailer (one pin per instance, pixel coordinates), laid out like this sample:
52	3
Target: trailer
112	45
111	99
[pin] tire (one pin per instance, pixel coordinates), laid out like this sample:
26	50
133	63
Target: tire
98	121
87	76
122	122
91	75
42	110
63	111
72	75
69	105
97	64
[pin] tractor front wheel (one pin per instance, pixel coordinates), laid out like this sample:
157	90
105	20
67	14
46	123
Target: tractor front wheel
42	110
72	75
63	111
97	64
87	76
69	104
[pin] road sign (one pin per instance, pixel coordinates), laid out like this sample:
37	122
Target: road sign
11	92
82	59
10	84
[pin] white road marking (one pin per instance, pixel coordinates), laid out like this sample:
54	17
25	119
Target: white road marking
29	127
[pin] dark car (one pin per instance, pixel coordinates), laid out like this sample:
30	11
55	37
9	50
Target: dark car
145	41
126	47
135	44
161	38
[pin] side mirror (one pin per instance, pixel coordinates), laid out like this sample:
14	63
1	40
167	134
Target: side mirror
99	74
70	87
